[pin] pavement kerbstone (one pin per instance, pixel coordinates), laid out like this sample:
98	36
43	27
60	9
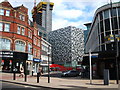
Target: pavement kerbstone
56	83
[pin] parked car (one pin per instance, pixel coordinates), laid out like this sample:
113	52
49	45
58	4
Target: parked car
70	73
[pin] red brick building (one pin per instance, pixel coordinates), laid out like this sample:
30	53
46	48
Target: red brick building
19	40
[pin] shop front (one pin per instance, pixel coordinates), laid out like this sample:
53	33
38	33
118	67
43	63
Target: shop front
11	61
36	65
6	60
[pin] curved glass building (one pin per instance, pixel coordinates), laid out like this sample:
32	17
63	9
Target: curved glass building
100	39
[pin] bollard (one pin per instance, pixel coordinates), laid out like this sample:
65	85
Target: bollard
38	77
14	75
106	77
25	77
32	73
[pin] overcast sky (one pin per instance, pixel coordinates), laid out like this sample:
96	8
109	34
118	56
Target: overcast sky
67	12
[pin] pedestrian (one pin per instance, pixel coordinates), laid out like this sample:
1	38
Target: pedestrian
21	72
39	72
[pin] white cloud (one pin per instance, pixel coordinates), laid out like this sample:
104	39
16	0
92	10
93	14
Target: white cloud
67	12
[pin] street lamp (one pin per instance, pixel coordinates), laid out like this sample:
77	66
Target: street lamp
48	53
116	45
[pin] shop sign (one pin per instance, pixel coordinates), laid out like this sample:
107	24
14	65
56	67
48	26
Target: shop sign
37	60
6	54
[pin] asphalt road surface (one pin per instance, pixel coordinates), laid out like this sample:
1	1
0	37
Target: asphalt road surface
12	86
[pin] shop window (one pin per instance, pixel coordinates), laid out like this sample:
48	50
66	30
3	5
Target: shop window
20	46
7	27
7	13
107	25
1	11
4	44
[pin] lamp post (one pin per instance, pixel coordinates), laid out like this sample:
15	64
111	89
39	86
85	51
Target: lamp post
116	45
90	67
48	53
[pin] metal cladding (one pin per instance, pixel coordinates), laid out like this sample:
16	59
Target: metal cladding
67	44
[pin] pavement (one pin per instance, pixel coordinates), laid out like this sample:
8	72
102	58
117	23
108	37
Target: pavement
58	83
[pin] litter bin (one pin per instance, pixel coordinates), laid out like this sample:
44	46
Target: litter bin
106	77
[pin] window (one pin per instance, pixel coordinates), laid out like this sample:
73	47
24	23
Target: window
101	16
29	48
106	14
40	33
118	11
23	31
21	17
7	13
35	40
30	34
114	13
7	27
39	43
35	53
5	44
1	26
1	11
18	31
107	25
114	23
20	46
44	35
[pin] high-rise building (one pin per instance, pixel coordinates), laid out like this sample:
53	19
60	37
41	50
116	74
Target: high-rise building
67	45
42	14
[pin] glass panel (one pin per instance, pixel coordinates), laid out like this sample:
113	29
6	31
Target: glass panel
107	25
114	13
7	27
18	31
1	26
101	26
106	14
20	46
101	16
118	11
1	11
114	23
4	44
23	31
29	48
7	13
